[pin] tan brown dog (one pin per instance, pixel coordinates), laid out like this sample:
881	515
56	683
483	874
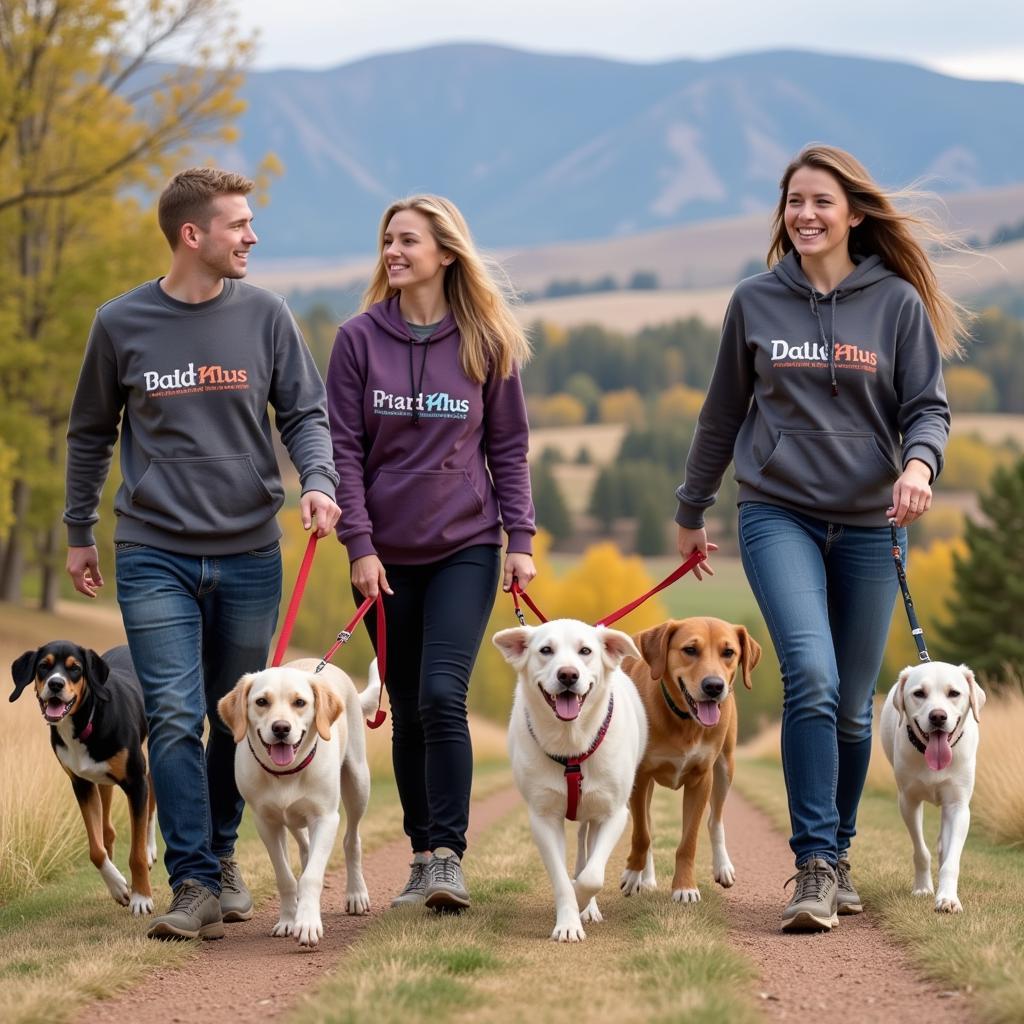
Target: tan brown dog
685	682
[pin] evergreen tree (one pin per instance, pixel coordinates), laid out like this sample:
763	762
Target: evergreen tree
987	603
652	518
548	502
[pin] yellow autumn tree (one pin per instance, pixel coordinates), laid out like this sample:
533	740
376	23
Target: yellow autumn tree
625	406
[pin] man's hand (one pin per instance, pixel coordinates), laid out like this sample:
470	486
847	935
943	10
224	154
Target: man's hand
317	504
83	567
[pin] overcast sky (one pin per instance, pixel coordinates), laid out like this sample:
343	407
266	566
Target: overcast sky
969	38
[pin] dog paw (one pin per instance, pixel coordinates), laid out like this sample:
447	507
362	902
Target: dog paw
569	932
282	928
725	875
948	905
117	884
150	855
632	882
591	914
357	902
308	931
923	890
686	895
140	905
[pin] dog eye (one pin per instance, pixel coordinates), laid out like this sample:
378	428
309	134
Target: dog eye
920	693
953	693
728	652
261	702
299	703
585	651
690	650
547	649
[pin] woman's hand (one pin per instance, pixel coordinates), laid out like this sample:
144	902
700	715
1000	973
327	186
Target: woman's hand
911	494
369	577
519	565
696	540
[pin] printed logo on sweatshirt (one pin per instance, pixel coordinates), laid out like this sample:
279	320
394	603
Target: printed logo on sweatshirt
438	405
788	355
191	381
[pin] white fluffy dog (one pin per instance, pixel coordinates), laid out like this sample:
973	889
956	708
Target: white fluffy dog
573	702
300	748
929	731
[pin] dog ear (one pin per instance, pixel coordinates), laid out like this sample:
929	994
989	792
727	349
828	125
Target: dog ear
97	672
328	705
978	697
897	697
23	671
233	708
513	644
653	643
750	653
616	645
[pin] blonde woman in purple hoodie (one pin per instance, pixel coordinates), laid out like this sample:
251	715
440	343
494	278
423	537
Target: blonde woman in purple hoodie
430	436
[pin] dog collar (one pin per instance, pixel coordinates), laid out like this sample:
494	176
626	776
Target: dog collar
288	771
673	707
573	771
916	743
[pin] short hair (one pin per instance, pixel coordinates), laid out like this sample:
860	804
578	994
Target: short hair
187	197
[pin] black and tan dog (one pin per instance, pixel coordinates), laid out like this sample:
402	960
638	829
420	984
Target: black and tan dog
94	708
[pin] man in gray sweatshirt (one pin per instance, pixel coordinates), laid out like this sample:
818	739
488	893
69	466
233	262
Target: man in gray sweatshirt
187	365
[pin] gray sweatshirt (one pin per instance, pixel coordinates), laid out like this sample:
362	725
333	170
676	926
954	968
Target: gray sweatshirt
194	381
820	400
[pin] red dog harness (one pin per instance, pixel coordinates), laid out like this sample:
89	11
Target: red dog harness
573	771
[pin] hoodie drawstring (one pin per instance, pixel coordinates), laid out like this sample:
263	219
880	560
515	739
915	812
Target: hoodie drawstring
417	390
830	346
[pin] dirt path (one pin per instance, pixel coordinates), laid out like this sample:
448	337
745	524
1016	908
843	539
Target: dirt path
249	974
855	973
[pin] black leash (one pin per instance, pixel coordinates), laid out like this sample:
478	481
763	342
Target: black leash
915	627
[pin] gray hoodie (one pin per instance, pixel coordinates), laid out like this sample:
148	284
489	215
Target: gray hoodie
190	384
820	400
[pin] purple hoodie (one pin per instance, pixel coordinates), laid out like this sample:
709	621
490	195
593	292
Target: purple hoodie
422	477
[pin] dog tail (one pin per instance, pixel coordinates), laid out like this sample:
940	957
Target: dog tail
369	697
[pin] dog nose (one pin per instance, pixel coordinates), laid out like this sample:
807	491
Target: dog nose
713	686
568	676
56	685
281	729
937	717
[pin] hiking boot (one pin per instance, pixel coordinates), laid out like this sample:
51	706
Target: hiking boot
235	898
416	887
194	913
813	906
848	898
446	888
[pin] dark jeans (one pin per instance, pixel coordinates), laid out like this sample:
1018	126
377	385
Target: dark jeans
436	620
827	593
195	625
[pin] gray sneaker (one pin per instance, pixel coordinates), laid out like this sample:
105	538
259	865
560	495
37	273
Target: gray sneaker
848	898
446	888
416	887
813	906
235	898
194	913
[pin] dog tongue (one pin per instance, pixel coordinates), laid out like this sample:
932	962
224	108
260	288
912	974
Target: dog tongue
282	754
938	753
708	712
54	708
567	706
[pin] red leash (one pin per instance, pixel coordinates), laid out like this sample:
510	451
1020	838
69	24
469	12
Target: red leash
343	637
517	592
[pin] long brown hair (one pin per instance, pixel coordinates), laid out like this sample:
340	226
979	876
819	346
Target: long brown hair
885	231
493	342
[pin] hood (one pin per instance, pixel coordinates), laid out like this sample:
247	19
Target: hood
388	317
868	271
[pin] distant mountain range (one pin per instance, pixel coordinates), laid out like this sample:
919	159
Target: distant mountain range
539	148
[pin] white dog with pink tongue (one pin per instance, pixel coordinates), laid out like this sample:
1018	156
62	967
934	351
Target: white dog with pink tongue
577	733
929	732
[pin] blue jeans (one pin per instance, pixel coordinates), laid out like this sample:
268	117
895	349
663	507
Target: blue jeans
826	592
195	625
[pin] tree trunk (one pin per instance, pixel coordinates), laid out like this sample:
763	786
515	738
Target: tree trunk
51	570
13	568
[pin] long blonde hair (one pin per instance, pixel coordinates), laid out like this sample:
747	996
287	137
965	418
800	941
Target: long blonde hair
885	231
493	342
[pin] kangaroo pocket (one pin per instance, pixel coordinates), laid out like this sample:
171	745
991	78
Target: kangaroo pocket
423	509
203	497
829	470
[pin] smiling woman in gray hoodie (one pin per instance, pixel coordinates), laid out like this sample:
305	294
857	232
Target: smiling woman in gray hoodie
828	398
430	439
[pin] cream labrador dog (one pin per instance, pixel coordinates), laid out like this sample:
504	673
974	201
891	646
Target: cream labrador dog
300	748
929	732
577	733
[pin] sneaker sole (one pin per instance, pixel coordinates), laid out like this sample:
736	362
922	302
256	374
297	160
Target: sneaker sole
214	930
233	916
851	908
806	921
443	900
